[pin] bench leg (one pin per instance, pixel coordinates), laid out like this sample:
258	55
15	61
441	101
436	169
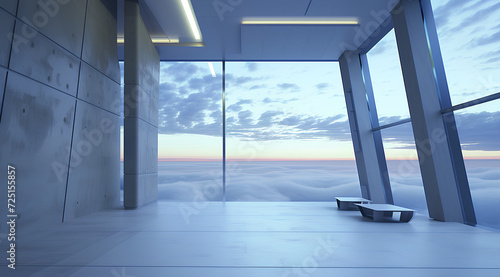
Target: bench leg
406	216
378	216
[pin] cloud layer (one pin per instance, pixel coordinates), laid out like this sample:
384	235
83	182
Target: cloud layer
316	181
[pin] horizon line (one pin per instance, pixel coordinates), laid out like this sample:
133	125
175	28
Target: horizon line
292	159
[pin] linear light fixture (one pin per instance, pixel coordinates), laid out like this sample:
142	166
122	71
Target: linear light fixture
347	21
155	40
188	9
212	69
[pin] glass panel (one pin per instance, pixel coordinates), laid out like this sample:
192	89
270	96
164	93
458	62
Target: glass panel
403	166
479	130
387	79
190	132
470	41
287	133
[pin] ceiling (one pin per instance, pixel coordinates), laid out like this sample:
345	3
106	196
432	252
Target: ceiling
225	38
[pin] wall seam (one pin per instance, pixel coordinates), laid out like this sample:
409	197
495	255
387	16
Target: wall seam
69	161
3	95
8	62
74	114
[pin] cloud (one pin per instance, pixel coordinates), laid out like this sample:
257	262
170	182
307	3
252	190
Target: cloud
268	118
254	87
491	57
268	100
236	81
260	181
480	14
276	125
180	72
245	118
383	46
191	108
314	181
288	86
291	121
238	105
322	86
487	39
477	131
252	67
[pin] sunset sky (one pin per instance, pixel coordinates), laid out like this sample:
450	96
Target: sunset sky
296	111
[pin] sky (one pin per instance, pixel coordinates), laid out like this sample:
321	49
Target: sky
296	111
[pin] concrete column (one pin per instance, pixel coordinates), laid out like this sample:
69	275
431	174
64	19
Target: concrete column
373	181
142	67
441	164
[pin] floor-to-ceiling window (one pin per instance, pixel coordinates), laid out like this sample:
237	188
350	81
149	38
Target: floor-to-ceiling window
469	36
398	141
190	131
287	133
387	81
404	168
286	129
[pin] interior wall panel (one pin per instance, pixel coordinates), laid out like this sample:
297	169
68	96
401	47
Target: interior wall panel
6	30
98	89
99	46
36	131
41	59
94	177
61	21
9	5
35	135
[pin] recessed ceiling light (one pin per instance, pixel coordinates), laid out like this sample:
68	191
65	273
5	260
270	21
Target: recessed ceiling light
188	9
300	21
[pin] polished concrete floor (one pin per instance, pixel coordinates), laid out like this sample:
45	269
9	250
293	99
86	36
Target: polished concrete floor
253	239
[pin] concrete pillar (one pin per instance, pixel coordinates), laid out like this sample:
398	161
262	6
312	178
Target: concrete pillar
142	67
372	169
441	164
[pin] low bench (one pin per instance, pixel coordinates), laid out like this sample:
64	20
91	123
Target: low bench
349	203
386	212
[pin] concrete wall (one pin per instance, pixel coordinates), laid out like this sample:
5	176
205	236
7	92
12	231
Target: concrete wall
142	68
60	117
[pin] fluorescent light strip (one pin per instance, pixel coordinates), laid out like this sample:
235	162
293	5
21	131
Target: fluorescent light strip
212	69
300	21
155	40
191	18
164	40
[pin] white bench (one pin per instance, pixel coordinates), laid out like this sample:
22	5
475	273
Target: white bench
348	203
386	212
